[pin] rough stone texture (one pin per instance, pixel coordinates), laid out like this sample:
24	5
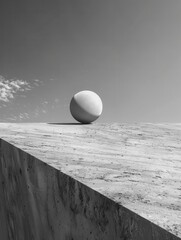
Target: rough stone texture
137	166
39	202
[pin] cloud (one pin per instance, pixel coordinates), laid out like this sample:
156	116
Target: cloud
37	82
9	88
14	107
45	103
24	116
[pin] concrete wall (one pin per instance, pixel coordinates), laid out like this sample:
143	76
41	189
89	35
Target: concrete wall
40	202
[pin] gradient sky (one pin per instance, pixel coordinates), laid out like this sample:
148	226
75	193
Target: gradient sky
127	51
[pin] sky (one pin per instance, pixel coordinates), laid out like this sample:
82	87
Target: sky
127	51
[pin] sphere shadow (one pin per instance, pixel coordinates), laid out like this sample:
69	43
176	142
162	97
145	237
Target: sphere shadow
70	123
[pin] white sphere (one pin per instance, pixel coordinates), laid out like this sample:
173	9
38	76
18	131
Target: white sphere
86	106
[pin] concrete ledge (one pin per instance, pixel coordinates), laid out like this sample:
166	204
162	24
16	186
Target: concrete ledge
39	202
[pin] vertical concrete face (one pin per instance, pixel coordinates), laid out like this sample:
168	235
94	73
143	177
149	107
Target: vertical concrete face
40	202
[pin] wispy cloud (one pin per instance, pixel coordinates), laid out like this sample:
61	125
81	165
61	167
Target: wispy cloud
21	100
37	82
9	88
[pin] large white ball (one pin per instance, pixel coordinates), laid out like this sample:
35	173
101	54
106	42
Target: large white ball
86	106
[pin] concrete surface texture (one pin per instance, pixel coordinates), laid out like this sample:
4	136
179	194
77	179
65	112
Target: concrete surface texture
39	202
137	166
